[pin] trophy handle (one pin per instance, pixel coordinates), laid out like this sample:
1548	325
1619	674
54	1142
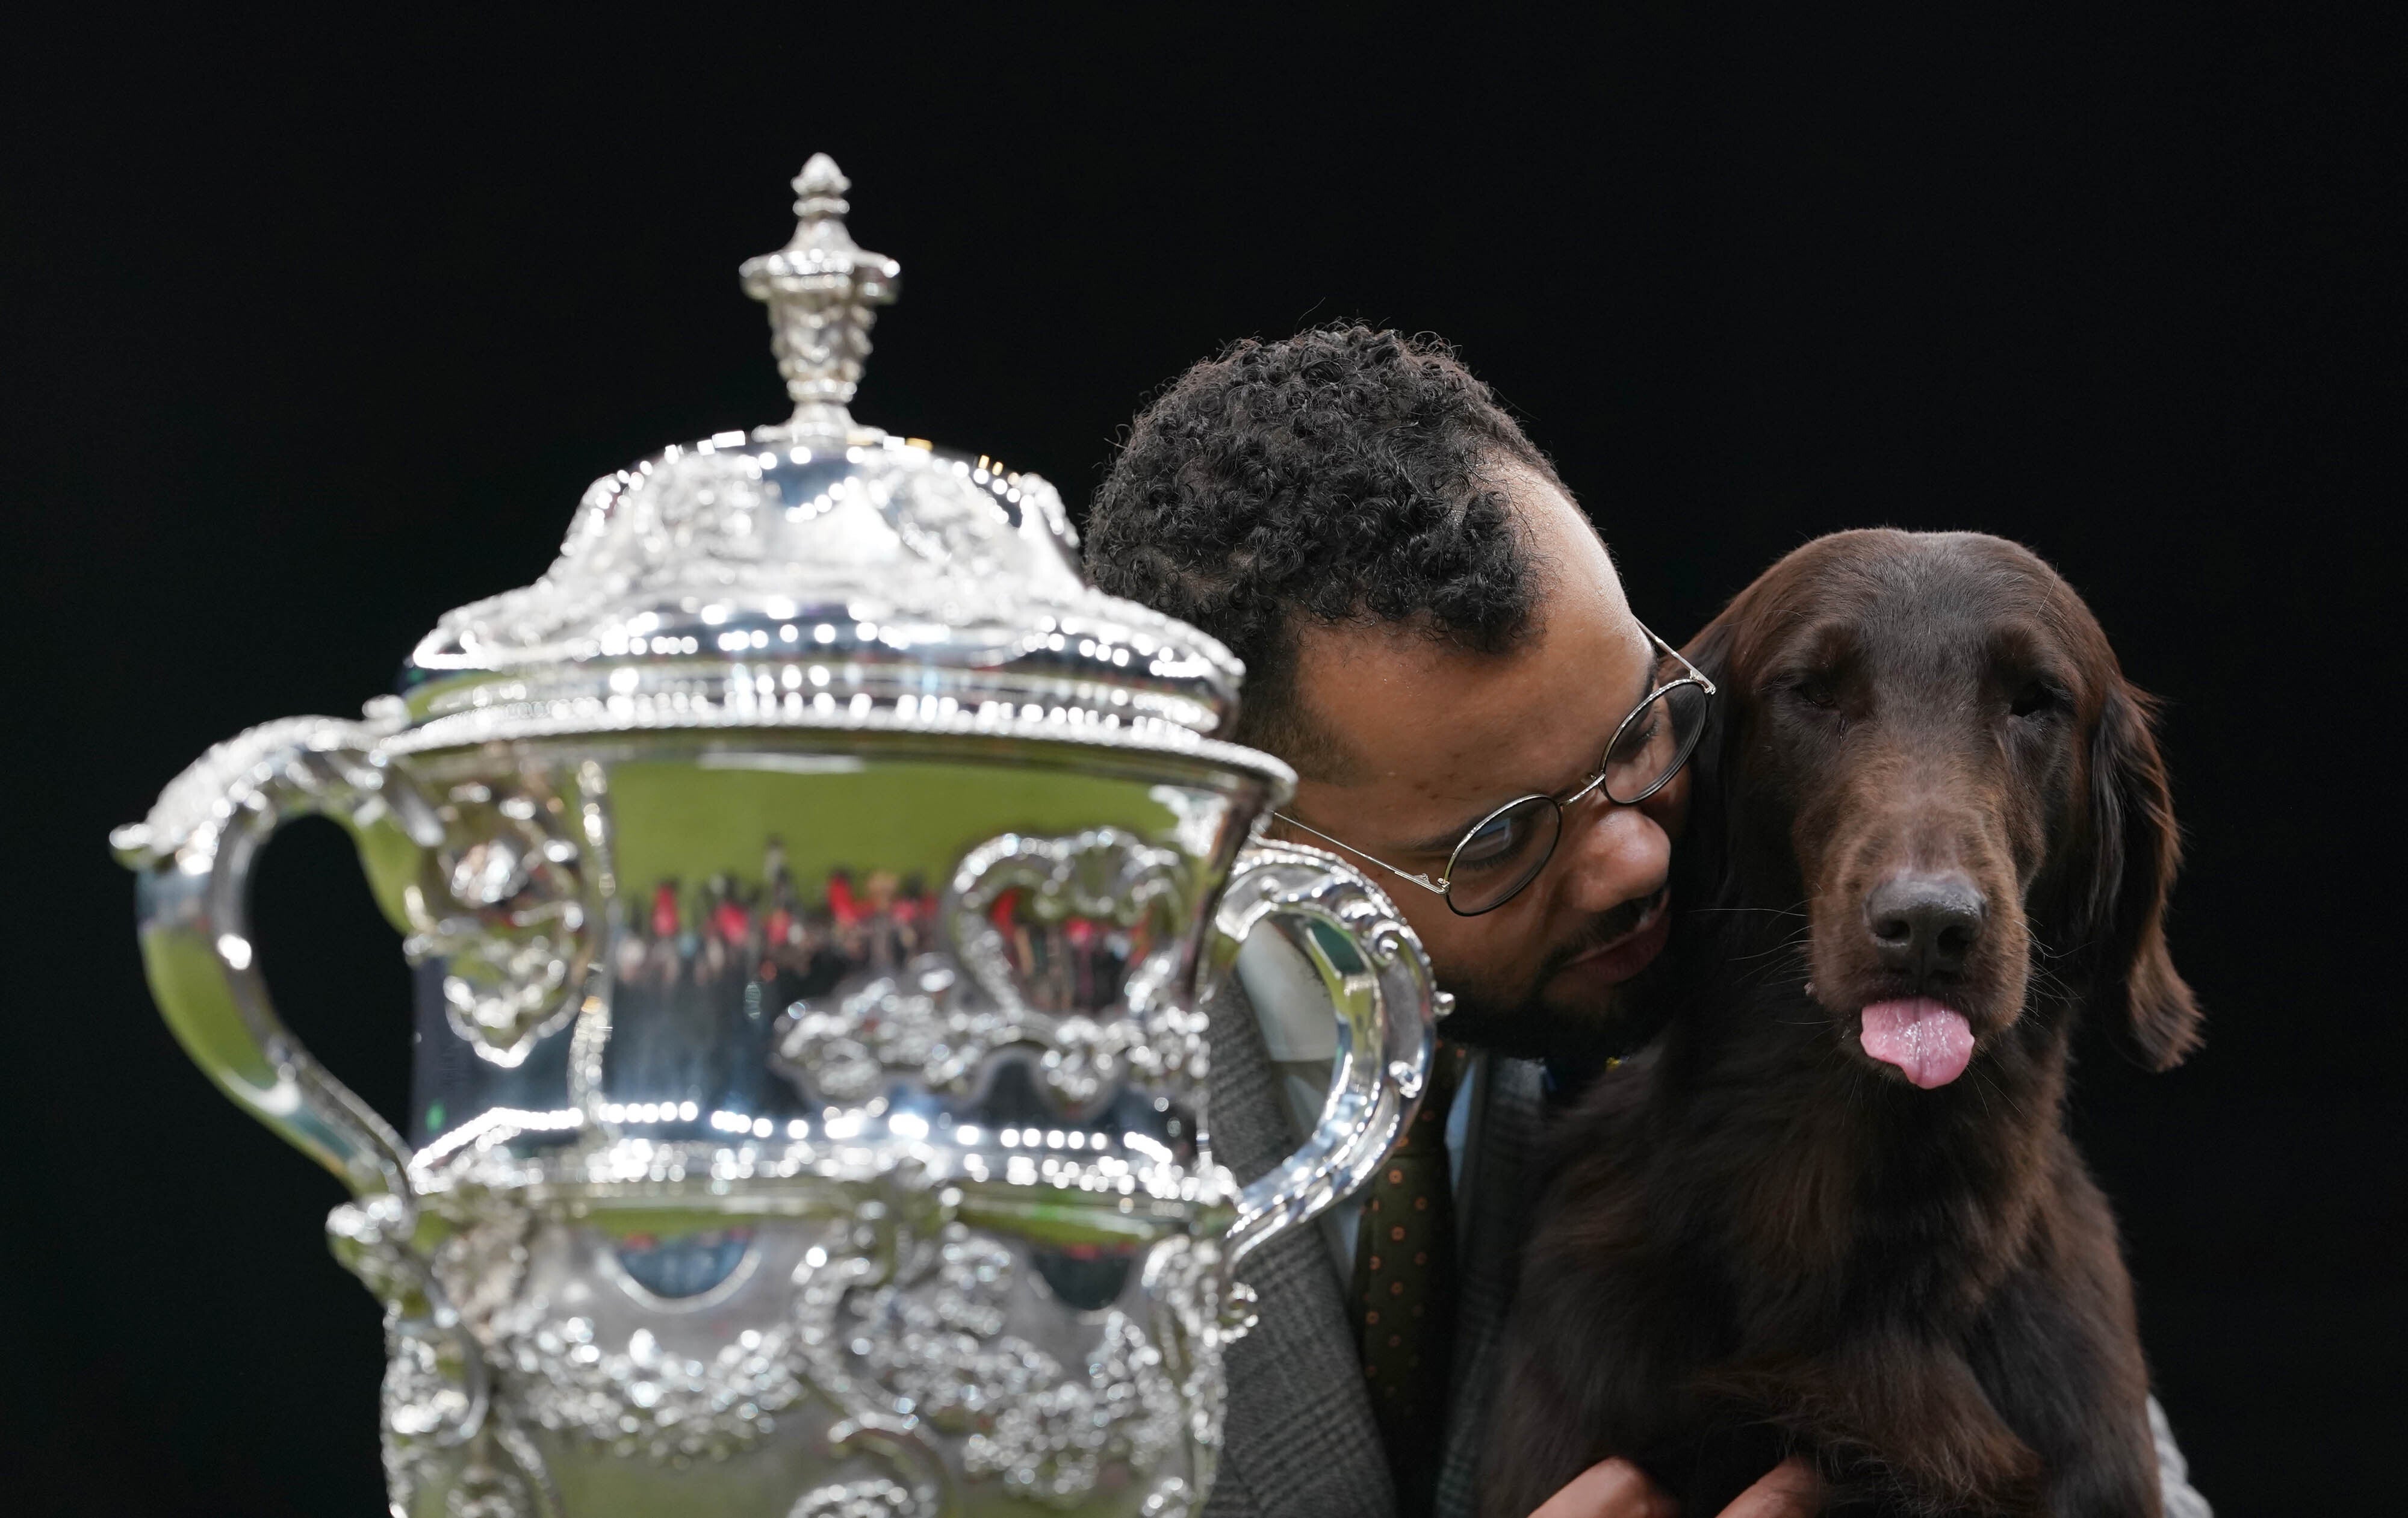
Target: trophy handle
192	859
1387	1006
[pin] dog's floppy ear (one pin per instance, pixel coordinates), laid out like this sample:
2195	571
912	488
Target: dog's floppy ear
1710	649
2136	851
1700	864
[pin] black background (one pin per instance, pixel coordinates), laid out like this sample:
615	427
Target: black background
316	330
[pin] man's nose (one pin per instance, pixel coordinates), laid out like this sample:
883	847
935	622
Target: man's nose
1617	855
1925	925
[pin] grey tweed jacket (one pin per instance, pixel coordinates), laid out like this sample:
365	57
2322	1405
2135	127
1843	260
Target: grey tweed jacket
1299	1440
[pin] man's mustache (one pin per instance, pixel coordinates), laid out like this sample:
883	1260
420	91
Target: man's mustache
1616	923
1529	1028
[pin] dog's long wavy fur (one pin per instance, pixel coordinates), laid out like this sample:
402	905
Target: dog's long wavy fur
1759	1243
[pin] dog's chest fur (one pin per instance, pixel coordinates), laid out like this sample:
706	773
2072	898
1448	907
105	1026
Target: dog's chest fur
1843	1196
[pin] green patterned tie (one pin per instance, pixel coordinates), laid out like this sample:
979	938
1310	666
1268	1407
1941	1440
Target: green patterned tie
1403	1296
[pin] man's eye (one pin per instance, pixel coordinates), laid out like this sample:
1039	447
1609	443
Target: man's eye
1634	740
1507	838
1491	841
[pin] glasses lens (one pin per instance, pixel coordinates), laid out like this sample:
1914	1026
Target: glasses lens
1655	743
1498	857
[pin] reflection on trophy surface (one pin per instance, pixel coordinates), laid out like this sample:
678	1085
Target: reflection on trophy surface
810	882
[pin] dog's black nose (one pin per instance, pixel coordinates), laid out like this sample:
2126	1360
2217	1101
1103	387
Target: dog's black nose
1924	925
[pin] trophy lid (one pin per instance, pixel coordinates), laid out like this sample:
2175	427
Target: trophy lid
820	573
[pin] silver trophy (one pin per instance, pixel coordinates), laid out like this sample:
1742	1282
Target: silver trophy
813	885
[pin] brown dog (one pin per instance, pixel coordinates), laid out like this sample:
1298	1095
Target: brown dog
1840	1214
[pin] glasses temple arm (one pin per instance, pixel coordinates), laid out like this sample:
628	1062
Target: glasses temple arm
1694	673
1435	889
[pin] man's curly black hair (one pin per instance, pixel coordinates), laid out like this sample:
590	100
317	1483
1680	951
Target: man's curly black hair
1342	476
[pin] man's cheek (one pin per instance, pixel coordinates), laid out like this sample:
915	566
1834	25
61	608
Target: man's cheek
1457	970
1669	808
1466	965
1439	928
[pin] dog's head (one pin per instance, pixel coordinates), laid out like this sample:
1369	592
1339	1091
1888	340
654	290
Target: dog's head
1926	739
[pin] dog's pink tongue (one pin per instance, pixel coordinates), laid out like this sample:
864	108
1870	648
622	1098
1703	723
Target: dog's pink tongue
1929	1041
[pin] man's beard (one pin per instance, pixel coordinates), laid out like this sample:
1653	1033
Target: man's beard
1522	1024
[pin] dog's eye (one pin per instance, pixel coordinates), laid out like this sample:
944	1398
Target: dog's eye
2032	698
1815	691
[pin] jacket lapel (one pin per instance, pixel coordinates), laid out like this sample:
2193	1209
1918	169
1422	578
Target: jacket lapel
1298	1440
1496	1194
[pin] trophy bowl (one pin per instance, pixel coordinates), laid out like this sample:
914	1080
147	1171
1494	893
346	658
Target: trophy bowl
813	888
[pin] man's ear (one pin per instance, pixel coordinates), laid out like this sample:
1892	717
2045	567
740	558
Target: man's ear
2136	851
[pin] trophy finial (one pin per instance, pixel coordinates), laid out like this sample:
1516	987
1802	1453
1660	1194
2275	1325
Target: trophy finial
820	289
819	189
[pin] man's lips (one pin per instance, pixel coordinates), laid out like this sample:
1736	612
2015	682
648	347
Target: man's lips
1633	950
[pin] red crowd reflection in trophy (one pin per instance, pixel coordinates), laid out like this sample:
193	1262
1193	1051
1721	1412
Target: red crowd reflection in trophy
1074	965
707	969
769	933
702	970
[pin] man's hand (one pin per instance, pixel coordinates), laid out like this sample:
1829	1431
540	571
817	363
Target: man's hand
1619	1489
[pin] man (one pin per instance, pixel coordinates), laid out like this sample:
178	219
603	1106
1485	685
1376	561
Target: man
1437	642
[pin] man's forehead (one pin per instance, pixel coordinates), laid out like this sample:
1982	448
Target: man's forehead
1431	728
1574	568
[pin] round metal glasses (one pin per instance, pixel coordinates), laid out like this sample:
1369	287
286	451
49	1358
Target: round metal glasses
1506	850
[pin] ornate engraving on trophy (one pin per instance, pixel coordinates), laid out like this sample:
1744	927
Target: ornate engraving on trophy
859	1499
501	906
902	1334
934	1343
443	1431
636	1398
